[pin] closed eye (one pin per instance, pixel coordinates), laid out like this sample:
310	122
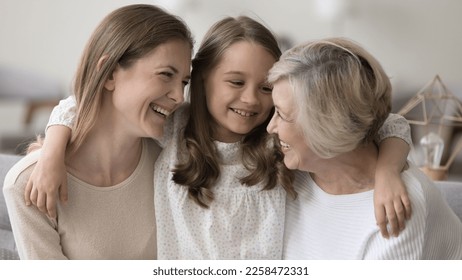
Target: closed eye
282	117
237	83
267	88
167	74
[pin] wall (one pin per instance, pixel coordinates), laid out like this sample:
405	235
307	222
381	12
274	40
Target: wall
414	39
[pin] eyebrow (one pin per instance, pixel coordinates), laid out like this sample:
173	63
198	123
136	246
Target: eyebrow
234	72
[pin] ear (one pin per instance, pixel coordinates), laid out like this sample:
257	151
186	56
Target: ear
110	83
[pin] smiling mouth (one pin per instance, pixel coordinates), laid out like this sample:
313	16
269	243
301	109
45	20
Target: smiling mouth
243	113
159	110
284	145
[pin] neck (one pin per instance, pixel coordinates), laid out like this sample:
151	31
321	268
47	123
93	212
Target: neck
107	157
348	173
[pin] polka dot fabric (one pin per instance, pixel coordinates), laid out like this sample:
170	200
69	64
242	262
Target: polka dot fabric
241	223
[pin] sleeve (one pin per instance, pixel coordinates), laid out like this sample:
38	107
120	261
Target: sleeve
395	126
64	113
409	245
36	235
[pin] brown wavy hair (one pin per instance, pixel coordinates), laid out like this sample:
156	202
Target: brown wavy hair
200	169
124	36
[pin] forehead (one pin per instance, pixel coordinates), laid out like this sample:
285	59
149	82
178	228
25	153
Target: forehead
246	56
174	52
283	95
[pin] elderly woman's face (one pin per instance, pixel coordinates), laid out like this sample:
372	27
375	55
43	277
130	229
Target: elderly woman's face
297	154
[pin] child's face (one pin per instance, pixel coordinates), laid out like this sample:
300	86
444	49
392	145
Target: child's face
147	92
237	92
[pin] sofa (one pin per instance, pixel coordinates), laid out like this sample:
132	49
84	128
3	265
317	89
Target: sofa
452	191
7	245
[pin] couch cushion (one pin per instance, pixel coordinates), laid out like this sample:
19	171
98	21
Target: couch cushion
6	162
8	255
7	244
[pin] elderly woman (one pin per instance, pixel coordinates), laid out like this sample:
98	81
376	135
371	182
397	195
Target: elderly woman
331	96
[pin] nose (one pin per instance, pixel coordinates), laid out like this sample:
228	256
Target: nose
249	96
177	94
271	127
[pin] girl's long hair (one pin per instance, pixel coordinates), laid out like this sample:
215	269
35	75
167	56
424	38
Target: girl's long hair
200	169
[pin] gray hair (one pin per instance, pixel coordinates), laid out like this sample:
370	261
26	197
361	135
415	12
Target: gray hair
342	95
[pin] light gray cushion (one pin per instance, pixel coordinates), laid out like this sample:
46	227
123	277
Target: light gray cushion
7	244
6	254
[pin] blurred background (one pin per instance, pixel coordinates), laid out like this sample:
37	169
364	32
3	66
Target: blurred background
41	43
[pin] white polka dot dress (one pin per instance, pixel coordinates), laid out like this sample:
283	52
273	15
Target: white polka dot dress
241	223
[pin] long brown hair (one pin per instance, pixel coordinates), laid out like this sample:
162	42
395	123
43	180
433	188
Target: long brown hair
125	35
201	168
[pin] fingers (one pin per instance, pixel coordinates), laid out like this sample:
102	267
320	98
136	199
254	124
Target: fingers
33	196
46	203
392	219
41	202
401	216
27	193
51	206
407	206
381	218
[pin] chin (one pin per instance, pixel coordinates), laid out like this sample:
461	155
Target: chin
155	134
241	130
290	165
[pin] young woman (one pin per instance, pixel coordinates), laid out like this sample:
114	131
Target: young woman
220	185
131	76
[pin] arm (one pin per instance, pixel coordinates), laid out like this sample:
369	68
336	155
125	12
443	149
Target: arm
391	200
35	234
49	175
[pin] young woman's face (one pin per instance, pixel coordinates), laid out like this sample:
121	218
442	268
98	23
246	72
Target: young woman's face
148	91
237	92
297	154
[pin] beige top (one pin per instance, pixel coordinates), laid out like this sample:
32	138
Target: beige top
114	222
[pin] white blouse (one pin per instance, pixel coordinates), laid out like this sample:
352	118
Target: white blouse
241	223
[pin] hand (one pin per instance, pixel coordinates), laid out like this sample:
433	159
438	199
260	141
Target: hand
47	179
391	202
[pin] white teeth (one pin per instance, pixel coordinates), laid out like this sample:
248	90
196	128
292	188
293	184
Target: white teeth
244	113
160	110
284	145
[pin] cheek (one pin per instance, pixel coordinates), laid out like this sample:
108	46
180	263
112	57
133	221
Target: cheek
267	104
306	157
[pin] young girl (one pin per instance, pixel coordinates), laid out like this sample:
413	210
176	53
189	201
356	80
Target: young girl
220	184
132	71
